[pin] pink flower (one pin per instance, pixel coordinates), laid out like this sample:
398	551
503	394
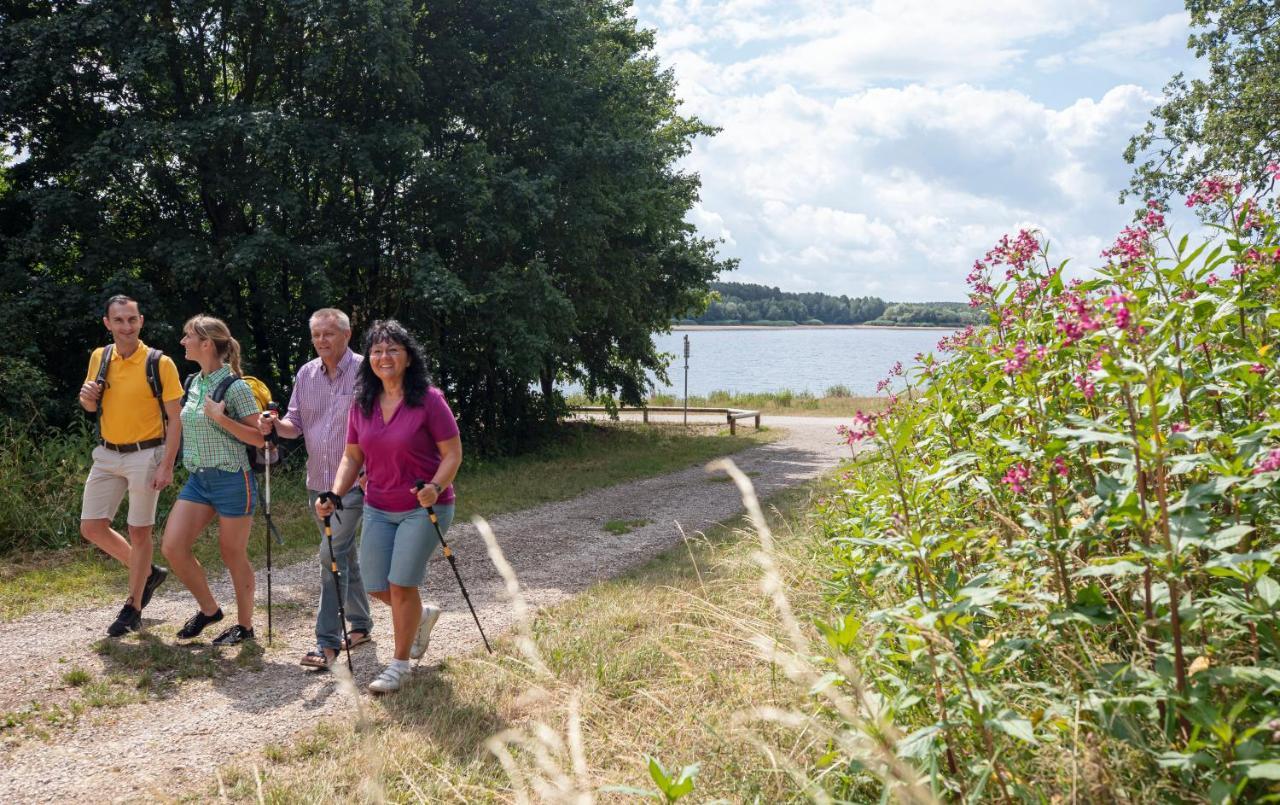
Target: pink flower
1076	321
1274	169
1212	280
1085	385
1211	190
1060	466
864	427
1017	477
1132	244
1258	369
1269	463
1117	303
1015	364
1179	427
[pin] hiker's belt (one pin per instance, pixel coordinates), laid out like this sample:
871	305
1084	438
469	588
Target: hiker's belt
134	447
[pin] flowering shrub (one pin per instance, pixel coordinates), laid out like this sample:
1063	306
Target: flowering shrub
1068	539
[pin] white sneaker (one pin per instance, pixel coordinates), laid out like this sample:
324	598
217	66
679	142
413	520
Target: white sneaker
389	680
420	640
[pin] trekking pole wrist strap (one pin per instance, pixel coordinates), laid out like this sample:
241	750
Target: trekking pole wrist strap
331	497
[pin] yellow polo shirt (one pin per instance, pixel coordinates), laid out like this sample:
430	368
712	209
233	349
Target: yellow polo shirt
129	411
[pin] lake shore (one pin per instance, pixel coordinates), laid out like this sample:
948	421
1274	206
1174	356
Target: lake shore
698	327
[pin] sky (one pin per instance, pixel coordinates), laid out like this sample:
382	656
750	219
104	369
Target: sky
880	147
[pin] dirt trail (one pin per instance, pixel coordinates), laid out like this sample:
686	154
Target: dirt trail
160	748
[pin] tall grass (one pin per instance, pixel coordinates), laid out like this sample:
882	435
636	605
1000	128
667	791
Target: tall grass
41	478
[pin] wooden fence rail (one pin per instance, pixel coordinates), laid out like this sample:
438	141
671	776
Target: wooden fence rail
731	415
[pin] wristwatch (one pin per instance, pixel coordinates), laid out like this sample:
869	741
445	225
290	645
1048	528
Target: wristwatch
439	488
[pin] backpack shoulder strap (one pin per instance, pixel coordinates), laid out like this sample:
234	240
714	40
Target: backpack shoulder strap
186	386
153	380
220	391
153	371
105	362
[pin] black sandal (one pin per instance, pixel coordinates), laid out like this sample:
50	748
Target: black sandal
316	658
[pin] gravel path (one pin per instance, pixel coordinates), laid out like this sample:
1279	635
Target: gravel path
161	748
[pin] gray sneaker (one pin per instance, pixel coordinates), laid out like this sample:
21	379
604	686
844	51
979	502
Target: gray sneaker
423	637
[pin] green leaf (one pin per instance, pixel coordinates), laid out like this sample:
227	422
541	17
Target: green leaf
919	743
1121	568
1268	590
1019	728
1264	771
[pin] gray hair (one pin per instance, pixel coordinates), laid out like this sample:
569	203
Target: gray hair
344	321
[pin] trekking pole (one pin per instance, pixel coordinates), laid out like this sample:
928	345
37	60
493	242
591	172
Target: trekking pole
270	446
448	554
337	576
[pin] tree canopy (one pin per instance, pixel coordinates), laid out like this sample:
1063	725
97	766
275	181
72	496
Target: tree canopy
1225	123
500	176
749	303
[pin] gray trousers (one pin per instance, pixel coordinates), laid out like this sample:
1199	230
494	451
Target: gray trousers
354	599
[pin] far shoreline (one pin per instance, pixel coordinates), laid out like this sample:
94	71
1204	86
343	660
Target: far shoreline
697	327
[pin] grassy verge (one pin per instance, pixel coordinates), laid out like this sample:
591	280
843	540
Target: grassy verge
657	664
837	401
584	457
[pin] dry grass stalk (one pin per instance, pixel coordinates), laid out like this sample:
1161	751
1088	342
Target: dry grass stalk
872	738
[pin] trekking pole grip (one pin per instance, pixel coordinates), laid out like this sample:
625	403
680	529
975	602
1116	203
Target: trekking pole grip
271	438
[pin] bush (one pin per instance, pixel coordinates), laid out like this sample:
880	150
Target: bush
1061	570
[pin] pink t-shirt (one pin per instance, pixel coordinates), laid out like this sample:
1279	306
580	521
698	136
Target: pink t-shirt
403	451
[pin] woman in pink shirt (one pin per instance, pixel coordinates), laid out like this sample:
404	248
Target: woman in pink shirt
400	430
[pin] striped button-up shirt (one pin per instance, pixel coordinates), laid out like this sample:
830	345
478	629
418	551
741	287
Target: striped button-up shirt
318	407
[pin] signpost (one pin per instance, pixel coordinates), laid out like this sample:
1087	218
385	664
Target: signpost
686	379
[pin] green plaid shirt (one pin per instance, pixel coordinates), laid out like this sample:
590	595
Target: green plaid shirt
204	444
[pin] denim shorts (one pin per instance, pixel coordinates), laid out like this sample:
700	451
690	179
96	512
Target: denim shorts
395	546
229	493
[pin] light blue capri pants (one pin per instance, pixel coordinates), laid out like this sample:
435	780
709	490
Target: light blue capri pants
395	546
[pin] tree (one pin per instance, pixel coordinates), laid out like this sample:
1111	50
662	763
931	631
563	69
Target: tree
500	176
1223	124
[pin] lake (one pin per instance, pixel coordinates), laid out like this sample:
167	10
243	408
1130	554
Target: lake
799	359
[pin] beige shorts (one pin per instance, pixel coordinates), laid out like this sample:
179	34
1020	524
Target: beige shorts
112	475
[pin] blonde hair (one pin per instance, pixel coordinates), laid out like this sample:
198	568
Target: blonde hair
215	330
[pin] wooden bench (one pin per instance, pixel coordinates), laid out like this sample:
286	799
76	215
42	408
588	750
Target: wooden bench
731	415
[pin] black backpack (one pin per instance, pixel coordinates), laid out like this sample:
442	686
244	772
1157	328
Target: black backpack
153	380
257	456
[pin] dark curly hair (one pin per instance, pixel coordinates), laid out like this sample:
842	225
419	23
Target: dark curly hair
416	379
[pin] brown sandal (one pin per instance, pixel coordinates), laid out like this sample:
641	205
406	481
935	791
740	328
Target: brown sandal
355	637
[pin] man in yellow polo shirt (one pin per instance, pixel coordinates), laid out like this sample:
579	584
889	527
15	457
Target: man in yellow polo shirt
136	453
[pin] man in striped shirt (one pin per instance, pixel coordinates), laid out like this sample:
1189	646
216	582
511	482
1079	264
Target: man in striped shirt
322	396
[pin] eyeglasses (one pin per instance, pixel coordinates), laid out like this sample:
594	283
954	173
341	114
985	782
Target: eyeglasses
389	352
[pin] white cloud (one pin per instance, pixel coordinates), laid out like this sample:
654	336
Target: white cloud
711	224
880	147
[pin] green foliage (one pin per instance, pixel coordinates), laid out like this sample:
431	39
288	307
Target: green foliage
746	303
1062	568
1225	122
500	176
934	314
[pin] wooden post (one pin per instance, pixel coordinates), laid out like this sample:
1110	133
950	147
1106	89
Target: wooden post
646	416
757	420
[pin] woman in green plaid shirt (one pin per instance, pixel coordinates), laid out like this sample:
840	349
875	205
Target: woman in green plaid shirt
220	482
